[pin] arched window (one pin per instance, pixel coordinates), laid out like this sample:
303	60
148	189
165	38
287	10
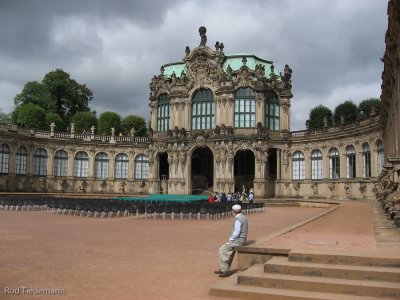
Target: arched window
334	164
40	162
203	110
350	162
121	166
163	113
271	111
366	153
21	161
298	169
4	158
245	108
380	157
61	163
141	167
316	164
101	165
81	164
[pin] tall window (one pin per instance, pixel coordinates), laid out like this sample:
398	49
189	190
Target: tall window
366	153
245	108
203	109
334	164
121	166
101	165
271	111
40	162
163	113
298	169
81	164
381	157
316	164
141	167
21	161
4	158
61	163
350	162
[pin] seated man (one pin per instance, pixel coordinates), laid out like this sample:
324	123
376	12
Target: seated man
238	238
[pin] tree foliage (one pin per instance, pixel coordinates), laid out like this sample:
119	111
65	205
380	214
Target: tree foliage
30	115
137	123
84	120
366	106
108	120
348	110
52	117
317	116
5	118
57	93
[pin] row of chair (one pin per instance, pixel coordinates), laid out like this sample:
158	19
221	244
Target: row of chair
116	208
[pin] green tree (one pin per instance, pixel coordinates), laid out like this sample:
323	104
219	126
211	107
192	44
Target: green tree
36	93
317	115
58	93
52	117
84	120
348	110
137	123
31	116
5	118
366	106
108	120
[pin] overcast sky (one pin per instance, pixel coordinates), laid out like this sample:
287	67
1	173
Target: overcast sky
115	47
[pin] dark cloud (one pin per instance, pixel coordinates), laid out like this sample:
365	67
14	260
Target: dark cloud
116	47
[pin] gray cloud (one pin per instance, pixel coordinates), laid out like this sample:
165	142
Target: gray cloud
116	47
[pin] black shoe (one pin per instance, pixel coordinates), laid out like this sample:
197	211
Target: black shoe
225	274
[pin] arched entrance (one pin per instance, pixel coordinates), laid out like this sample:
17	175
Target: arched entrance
202	171
163	172
244	170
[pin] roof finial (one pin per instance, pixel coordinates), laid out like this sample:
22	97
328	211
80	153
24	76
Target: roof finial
202	31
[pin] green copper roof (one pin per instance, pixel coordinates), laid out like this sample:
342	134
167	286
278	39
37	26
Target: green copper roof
174	67
234	60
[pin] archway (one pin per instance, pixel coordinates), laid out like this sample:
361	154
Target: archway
163	172
244	170
202	170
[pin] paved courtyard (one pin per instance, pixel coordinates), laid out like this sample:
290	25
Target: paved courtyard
121	258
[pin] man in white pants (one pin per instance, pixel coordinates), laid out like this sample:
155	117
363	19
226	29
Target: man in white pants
238	238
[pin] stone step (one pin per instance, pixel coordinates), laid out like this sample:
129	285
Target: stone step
254	277
281	265
229	287
378	257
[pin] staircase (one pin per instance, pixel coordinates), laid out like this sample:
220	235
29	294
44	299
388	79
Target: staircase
308	274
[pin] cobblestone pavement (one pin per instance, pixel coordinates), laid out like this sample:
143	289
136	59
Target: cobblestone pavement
121	258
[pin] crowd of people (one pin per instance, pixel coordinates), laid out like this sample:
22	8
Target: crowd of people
222	197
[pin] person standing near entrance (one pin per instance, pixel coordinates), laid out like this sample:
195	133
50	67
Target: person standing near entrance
238	238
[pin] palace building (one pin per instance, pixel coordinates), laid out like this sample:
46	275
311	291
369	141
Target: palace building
219	122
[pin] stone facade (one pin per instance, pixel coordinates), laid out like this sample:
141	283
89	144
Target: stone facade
218	123
391	90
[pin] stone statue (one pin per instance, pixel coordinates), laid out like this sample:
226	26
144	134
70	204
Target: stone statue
202	31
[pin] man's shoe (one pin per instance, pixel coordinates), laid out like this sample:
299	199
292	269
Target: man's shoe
225	274
218	272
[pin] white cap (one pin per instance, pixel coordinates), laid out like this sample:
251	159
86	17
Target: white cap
236	207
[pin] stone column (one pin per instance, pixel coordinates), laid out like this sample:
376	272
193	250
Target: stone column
13	159
71	157
278	163
284	112
260	109
50	162
91	163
